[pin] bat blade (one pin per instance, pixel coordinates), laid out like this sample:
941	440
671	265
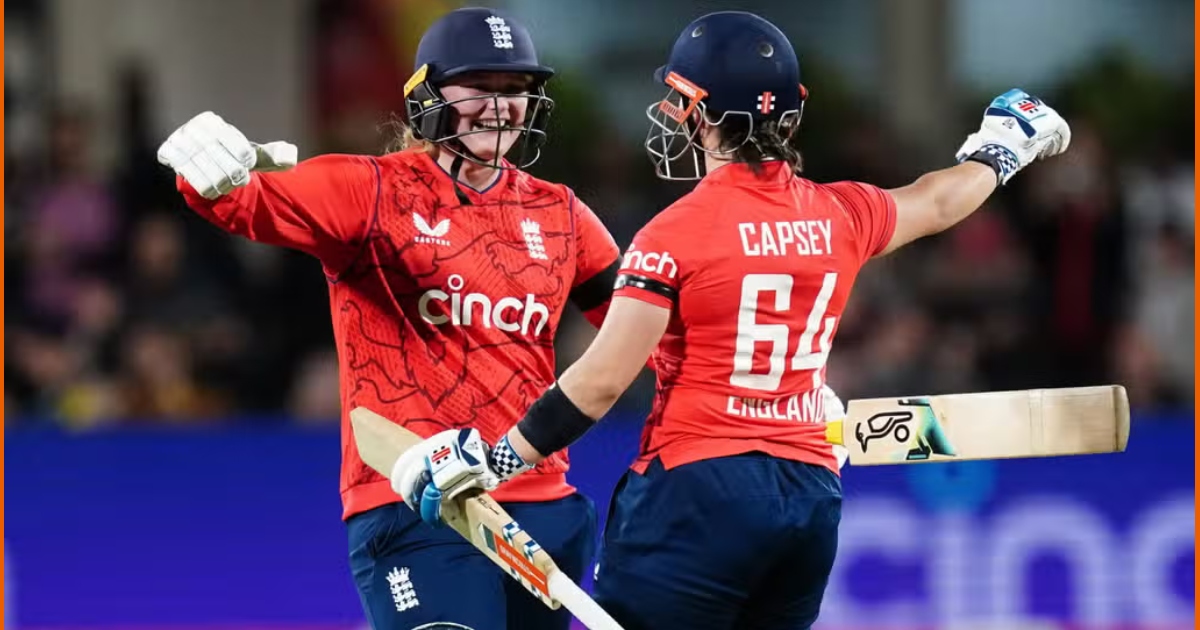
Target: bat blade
378	441
483	522
984	425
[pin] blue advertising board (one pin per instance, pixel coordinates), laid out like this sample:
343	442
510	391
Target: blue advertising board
239	528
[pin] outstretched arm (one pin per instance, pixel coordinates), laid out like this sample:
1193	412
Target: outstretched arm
1017	130
938	200
322	206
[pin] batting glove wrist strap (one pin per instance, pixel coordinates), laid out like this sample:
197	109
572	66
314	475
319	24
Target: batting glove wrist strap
1001	159
505	462
553	422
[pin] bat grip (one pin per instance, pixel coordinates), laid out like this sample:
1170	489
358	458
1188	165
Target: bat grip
834	430
567	592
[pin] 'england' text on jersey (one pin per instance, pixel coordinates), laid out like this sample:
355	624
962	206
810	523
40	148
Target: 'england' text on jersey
780	238
808	406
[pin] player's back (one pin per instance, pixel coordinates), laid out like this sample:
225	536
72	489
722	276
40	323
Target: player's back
762	268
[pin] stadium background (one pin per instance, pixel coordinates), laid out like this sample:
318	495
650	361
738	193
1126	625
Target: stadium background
170	392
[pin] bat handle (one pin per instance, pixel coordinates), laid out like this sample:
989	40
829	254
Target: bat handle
567	592
834	432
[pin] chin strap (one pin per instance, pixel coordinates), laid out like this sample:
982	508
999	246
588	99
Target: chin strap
455	168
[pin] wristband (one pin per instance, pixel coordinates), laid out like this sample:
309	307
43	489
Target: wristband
1000	158
506	462
553	422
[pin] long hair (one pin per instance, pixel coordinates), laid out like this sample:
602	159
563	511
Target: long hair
402	138
755	143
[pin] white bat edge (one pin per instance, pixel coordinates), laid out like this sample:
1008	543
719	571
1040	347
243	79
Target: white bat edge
566	592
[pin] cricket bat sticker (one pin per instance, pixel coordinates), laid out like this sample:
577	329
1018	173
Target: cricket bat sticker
914	427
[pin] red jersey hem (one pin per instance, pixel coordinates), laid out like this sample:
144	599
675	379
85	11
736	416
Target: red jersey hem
679	454
527	488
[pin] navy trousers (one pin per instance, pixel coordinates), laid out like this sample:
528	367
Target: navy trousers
746	541
410	574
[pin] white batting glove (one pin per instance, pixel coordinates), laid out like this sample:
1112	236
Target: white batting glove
214	157
441	468
835	410
1017	129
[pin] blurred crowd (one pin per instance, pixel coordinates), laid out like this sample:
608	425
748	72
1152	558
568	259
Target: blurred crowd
123	307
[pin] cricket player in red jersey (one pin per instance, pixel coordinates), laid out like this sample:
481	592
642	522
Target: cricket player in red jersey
729	516
448	270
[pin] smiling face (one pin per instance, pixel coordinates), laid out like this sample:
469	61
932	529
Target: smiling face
495	110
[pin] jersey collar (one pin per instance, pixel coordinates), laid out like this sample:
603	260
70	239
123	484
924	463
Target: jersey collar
497	187
775	172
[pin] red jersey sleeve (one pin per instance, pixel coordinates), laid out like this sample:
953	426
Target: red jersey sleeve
595	263
649	272
323	207
872	214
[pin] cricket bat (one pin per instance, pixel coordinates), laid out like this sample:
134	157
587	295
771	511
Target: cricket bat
482	521
984	425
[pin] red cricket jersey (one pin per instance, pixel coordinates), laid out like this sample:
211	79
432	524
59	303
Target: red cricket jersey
444	314
760	270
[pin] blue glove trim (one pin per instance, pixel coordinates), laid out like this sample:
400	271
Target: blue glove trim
431	505
463	453
1008	113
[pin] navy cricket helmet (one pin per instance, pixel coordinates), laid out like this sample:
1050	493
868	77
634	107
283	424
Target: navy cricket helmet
725	64
476	40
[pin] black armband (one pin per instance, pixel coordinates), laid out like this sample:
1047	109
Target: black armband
647	284
596	290
553	422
